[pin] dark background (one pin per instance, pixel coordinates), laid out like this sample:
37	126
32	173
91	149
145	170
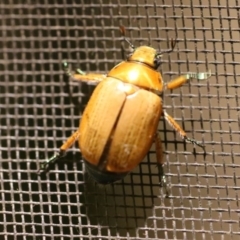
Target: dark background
37	114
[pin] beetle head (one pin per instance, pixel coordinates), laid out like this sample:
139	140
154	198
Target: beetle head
145	54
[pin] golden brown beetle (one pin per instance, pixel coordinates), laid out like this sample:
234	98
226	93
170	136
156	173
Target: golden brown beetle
120	121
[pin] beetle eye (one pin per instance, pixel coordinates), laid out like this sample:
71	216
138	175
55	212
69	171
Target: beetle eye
157	59
129	55
156	63
158	56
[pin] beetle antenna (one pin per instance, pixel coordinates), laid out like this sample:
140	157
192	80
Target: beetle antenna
123	32
173	45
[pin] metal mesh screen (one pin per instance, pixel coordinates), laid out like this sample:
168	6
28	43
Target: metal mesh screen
37	115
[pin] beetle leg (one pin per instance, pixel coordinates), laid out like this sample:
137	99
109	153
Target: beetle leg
79	75
179	81
178	129
66	145
160	163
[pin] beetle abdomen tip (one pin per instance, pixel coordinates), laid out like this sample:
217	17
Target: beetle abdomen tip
103	177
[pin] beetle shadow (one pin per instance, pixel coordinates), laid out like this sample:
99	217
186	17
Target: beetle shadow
124	208
120	208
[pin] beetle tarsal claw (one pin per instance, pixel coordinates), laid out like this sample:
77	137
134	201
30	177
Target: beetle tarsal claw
79	71
45	166
66	68
201	76
193	141
163	180
164	184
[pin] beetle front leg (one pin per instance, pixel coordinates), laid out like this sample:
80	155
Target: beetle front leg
79	75
181	132
66	145
160	163
179	81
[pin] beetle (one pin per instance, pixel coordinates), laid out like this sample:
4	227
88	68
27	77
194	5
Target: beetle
120	121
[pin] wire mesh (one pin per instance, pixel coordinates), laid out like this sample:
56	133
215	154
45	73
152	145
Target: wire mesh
38	114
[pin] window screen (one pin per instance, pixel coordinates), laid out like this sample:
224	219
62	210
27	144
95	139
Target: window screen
40	107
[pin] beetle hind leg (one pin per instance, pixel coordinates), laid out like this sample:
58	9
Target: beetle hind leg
160	164
66	145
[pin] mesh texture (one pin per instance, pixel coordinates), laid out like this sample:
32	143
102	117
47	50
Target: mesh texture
40	108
